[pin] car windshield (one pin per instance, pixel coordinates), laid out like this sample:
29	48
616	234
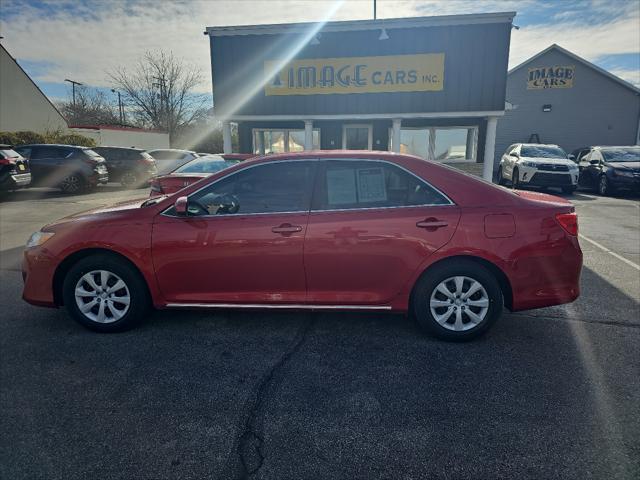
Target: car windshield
540	151
626	154
206	165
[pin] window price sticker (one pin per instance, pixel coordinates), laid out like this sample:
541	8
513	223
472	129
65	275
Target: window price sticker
371	187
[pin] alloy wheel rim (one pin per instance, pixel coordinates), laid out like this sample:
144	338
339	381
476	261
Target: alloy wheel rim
459	303
603	185
102	296
71	183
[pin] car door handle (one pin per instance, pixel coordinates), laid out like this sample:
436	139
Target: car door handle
431	224
286	228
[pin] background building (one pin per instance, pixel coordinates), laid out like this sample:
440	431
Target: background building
23	106
430	86
558	97
114	136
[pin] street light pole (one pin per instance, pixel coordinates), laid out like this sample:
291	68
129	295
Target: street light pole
73	89
374	9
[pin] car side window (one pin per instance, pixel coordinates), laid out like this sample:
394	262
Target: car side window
344	184
24	151
268	188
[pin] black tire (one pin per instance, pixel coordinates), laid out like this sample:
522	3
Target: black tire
515	175
135	285
500	177
425	288
604	187
72	184
129	180
570	189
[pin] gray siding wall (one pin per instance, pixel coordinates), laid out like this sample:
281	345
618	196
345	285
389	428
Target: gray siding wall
476	58
596	111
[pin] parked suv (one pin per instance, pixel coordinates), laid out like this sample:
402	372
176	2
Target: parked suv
168	159
132	167
68	167
533	164
14	169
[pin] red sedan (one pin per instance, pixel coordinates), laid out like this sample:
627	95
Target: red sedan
316	230
193	171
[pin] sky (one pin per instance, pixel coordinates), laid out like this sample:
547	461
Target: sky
83	40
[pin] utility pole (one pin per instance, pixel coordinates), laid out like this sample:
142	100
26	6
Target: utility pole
73	89
163	101
374	9
120	107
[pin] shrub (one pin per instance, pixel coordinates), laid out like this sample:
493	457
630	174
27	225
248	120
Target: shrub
56	136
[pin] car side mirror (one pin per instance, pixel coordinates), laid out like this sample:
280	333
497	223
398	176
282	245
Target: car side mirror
514	155
572	157
180	205
594	162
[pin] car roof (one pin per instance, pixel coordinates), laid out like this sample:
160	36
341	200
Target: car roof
135	149
55	145
617	146
170	150
539	145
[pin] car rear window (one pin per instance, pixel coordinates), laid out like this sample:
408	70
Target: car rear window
204	165
533	151
8	153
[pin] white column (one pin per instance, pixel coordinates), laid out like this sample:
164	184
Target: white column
395	135
489	148
308	134
226	137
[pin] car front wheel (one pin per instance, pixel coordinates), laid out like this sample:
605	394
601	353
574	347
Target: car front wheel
105	293
457	300
604	188
515	178
72	184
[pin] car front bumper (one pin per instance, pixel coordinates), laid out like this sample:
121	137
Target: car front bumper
541	178
623	182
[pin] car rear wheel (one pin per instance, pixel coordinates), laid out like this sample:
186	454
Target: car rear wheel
105	294
457	300
129	179
72	184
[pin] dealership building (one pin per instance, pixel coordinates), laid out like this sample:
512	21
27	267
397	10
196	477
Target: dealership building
560	98
429	86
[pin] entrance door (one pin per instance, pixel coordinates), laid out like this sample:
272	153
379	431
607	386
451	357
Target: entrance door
357	137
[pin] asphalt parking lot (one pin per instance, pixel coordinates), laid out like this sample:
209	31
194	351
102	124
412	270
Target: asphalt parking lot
551	393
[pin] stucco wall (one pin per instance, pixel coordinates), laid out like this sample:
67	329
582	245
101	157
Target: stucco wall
126	138
22	105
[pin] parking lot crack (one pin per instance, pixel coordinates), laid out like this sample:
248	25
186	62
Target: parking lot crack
249	448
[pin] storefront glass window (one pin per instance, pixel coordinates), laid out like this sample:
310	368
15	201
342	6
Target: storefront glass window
444	144
279	141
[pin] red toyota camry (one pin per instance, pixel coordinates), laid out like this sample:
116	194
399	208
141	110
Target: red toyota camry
316	230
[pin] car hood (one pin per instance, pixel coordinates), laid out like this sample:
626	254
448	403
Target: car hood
556	161
635	166
117	209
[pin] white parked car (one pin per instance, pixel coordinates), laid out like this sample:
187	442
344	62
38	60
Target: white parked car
534	164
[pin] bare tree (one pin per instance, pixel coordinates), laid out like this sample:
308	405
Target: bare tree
160	92
91	107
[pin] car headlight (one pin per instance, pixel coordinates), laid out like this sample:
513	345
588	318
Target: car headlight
38	238
623	173
529	164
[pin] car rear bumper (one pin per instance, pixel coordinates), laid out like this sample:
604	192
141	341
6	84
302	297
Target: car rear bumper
548	278
21	179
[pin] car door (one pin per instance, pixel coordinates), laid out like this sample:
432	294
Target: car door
372	224
45	164
592	168
243	240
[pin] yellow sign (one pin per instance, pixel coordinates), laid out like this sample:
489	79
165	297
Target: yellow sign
318	76
551	77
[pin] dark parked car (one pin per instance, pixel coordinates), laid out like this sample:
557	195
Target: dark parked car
331	230
132	167
168	159
609	169
14	169
189	173
68	167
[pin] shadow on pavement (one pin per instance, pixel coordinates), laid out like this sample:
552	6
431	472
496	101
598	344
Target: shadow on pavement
54	193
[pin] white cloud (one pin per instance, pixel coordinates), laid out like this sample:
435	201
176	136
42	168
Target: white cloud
631	76
83	41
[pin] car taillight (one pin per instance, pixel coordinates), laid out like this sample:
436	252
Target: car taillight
569	222
156	187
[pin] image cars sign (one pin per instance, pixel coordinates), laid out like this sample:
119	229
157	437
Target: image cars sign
551	77
393	73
